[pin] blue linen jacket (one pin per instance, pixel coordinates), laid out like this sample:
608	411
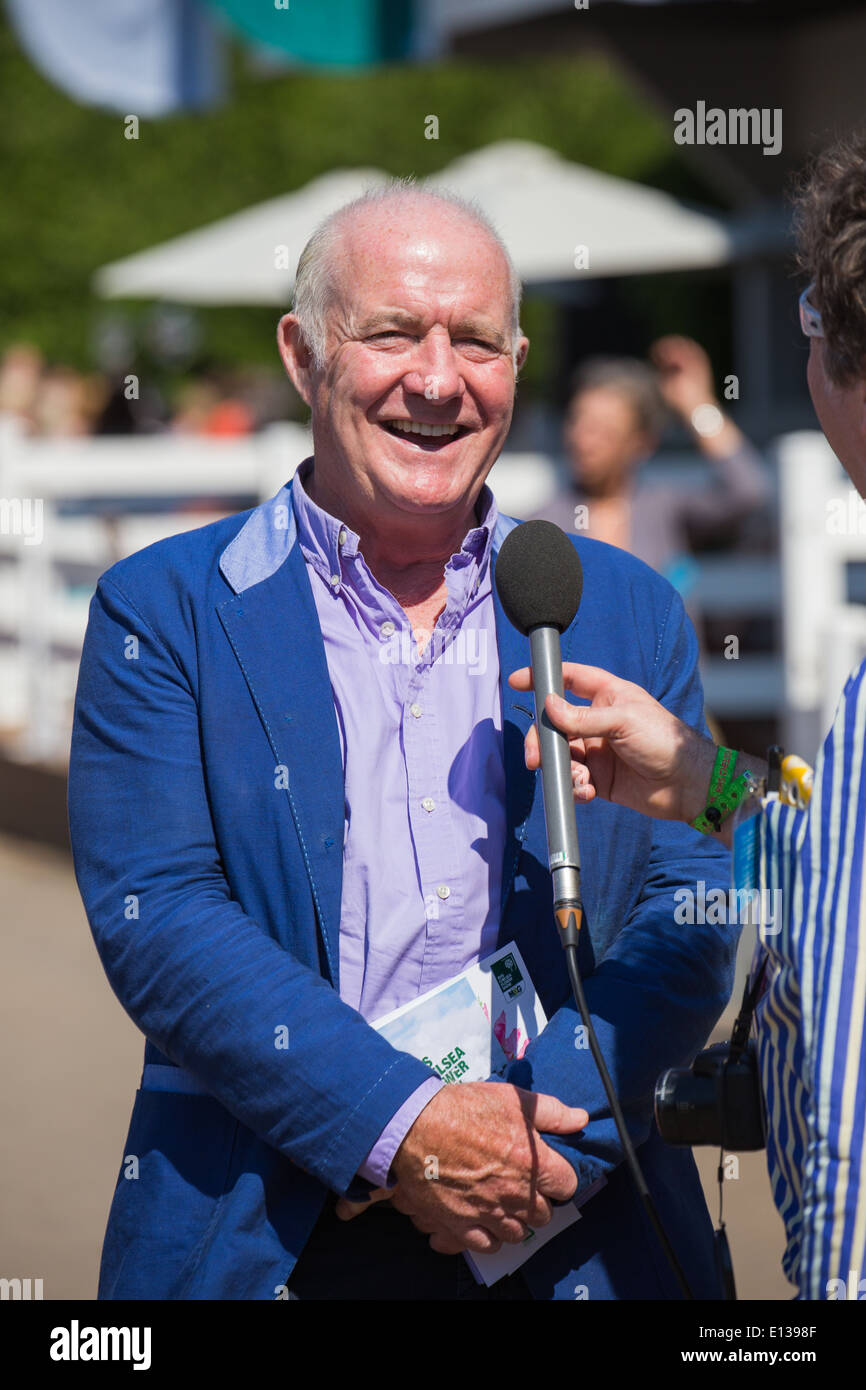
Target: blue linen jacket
206	817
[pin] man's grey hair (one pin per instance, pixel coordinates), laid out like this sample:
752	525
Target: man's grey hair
314	279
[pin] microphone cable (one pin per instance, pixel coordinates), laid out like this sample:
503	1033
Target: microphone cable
570	935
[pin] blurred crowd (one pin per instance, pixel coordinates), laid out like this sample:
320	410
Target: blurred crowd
615	420
48	400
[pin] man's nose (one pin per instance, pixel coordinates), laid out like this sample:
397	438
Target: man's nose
435	372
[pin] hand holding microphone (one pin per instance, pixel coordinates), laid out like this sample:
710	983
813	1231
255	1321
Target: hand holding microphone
625	746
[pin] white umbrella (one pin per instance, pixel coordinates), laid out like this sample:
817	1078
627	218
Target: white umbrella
560	221
247	258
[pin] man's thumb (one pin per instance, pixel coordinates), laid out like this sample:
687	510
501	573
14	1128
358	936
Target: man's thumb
550	1116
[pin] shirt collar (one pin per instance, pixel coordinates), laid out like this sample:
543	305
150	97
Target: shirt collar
327	541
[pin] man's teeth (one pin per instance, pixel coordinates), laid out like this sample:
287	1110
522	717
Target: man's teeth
415	427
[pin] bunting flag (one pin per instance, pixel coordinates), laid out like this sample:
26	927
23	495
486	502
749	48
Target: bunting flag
339	33
138	57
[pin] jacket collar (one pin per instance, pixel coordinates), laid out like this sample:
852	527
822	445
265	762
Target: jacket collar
270	532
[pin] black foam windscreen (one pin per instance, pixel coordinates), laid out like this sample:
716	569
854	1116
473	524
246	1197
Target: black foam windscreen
539	577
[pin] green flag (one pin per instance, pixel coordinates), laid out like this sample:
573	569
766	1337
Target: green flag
336	32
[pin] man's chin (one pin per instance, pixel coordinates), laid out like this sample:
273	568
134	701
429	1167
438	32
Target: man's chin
431	480
428	497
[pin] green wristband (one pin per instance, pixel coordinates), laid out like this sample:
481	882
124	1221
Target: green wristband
726	791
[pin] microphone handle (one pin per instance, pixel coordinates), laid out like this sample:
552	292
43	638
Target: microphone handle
563	853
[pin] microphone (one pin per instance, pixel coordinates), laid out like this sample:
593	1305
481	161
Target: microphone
539	579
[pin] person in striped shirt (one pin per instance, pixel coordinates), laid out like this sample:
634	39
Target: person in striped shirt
811	1018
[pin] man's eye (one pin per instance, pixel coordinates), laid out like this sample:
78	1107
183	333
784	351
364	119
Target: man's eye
388	333
478	343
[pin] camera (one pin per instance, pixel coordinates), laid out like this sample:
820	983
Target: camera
717	1100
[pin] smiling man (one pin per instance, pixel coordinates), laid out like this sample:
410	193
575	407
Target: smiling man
285	826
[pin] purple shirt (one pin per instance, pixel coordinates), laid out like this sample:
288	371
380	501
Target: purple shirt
421	740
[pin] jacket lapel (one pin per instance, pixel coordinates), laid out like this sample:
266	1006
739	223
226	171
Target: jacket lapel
273	628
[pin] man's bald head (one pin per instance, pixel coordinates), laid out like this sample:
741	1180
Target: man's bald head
397	208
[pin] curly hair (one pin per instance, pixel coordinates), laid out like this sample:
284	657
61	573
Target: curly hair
830	227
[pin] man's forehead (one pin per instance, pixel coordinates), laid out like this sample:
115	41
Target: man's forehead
388	314
402	262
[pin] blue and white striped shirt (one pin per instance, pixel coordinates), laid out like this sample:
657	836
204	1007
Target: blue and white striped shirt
810	1020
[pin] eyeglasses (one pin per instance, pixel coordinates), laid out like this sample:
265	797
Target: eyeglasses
810	319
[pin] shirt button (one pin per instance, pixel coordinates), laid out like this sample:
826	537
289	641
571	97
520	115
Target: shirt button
428	803
443	891
387	629
416	711
341	539
334	581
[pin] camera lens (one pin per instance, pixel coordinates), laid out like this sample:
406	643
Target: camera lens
686	1107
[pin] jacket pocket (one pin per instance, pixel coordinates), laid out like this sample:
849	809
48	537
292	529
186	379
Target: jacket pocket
175	1168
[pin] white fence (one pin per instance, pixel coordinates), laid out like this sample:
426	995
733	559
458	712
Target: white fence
49	561
823	531
49	564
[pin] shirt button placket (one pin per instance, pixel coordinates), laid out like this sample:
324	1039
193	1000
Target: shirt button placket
419	730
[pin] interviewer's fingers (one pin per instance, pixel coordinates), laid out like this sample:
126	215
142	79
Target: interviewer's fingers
583	721
581	784
532	752
601	720
580	679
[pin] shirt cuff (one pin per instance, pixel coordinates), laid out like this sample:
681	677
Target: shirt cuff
377	1164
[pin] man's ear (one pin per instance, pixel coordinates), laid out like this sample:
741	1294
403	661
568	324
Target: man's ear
520	355
296	355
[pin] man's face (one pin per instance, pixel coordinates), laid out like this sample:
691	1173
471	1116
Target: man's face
414	402
602	437
841	412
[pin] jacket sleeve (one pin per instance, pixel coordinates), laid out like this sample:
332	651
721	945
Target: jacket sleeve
738	485
265	1035
662	984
